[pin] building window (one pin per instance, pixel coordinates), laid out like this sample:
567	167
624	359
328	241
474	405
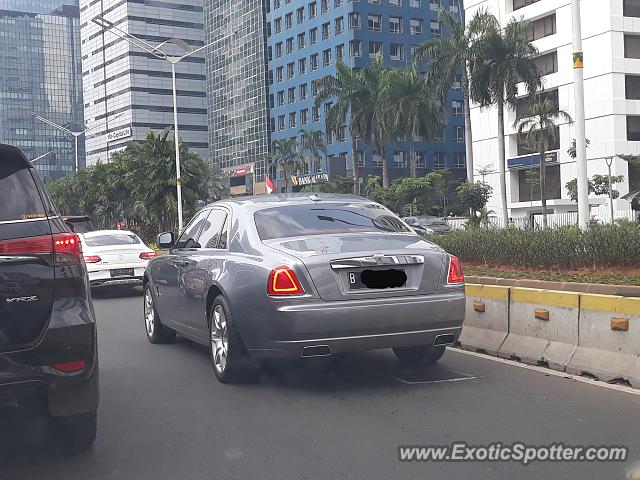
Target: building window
374	1
325	30
374	49
324	6
354	21
375	22
397	51
415	25
457	82
271	101
399	159
547	63
439	136
280	97
277	25
279	74
543	27
454	6
326	57
291	94
270	53
340	52
632	87
434	5
395	25
313	9
377	161
337	3
342	133
276	4
327	107
456	108
523	103
288	20
302	90
313	59
435	28
632	46
300	15
304	116
517	4
315	113
440	160
631	8
290	72
314	87
302	66
421	160
460	160
633	128
289	45
414	3
339	25
458	134
292	120
278	49
281	122
301	41
355	48
313	36
359	158
395	3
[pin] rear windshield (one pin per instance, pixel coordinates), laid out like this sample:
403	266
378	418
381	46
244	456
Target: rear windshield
300	220
112	239
19	196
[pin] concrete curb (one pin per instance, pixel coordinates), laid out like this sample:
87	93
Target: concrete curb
487	318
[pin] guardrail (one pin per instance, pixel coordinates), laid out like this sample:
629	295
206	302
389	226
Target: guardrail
576	332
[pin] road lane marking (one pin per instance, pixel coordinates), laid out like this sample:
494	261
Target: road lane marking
548	371
465	376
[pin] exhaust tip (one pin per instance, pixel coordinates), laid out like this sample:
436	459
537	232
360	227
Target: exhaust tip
316	351
446	339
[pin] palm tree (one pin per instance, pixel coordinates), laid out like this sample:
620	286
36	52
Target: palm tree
285	156
450	55
538	125
312	143
417	111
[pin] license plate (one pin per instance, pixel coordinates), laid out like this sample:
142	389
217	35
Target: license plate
122	272
388	278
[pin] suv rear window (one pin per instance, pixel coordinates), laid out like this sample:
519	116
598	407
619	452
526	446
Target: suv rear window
114	239
19	195
318	219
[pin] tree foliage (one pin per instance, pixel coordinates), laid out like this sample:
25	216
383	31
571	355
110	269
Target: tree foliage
598	185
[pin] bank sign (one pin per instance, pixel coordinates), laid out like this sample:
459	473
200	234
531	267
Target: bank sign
529	161
309	179
119	134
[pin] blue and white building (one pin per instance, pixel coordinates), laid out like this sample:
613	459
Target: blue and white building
305	40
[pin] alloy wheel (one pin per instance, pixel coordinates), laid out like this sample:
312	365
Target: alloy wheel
219	339
149	315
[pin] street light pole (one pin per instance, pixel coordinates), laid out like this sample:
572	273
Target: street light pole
581	141
177	144
609	161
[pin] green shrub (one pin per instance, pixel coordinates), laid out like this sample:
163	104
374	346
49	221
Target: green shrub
568	247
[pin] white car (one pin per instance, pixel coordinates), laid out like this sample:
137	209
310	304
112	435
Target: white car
115	257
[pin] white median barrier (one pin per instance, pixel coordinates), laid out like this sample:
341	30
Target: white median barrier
543	327
609	338
486	321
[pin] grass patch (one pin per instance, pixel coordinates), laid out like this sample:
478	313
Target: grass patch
607	277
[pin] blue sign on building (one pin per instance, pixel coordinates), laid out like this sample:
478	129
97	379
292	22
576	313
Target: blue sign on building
527	161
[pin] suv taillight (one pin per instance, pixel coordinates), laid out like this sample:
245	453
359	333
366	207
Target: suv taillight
66	249
27	245
455	271
283	281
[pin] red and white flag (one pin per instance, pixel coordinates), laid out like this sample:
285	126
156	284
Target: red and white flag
269	185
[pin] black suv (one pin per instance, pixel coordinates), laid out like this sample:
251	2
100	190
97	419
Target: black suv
48	348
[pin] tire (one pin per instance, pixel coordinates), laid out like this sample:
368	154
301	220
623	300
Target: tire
419	355
156	332
75	433
228	354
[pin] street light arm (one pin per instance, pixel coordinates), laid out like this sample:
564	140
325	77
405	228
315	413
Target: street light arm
138	42
49	122
205	46
41	156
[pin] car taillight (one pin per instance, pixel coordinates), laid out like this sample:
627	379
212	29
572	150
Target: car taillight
283	281
29	245
92	259
70	367
66	249
455	271
148	255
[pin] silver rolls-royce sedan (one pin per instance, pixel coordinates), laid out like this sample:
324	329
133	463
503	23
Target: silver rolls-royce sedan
302	275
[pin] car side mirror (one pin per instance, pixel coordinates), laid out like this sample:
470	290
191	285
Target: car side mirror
165	240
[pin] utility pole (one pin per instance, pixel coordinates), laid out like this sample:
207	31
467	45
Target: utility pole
609	161
581	142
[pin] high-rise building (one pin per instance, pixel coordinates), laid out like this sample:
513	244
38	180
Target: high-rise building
237	91
40	72
128	91
611	45
306	40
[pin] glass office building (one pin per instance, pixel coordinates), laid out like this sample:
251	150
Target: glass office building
237	91
41	73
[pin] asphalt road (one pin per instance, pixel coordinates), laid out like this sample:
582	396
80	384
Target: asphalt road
163	415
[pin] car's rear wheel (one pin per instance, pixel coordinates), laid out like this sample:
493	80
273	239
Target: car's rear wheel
419	355
227	351
156	332
75	433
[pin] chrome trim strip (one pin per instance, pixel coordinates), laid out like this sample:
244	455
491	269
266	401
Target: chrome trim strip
377	260
40	219
15	258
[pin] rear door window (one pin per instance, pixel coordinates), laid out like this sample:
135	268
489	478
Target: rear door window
212	229
19	196
325	218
